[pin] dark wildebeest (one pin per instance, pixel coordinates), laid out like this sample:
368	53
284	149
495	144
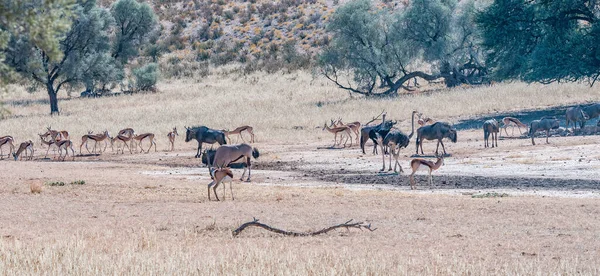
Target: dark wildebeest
204	134
546	123
593	111
490	127
437	131
576	114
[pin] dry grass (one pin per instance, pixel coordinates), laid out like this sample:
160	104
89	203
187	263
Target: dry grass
272	105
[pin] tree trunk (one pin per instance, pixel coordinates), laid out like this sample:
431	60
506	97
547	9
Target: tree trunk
53	100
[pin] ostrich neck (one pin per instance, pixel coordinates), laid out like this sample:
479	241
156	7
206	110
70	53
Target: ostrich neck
412	126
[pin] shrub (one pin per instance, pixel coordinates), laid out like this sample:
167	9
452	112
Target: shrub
146	77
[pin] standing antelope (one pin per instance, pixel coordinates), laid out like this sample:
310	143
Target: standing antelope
25	146
546	123
512	121
65	144
141	137
171	135
219	175
354	126
96	138
423	164
424	121
124	140
56	135
490	127
239	130
336	130
6	140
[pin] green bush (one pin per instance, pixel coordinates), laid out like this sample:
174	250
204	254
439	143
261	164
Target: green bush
146	77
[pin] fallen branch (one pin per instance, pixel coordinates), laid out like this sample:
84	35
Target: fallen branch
348	224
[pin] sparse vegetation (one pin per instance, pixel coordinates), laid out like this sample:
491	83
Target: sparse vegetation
490	195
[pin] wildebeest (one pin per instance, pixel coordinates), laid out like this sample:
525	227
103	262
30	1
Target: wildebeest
439	131
576	114
204	134
546	123
593	111
490	127
228	154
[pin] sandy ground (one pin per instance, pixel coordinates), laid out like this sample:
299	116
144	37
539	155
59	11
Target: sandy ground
547	219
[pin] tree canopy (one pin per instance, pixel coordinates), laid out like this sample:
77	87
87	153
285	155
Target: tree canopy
92	51
376	51
543	41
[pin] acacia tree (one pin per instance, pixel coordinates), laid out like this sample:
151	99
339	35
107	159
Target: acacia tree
375	52
543	41
87	55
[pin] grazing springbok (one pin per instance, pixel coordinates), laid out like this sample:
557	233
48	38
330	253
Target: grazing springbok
437	131
396	139
546	123
96	138
490	127
220	175
204	134
422	164
65	144
122	139
424	121
49	144
171	135
576	114
512	121
126	132
239	130
56	135
354	126
227	154
24	147
336	130
142	137
6	140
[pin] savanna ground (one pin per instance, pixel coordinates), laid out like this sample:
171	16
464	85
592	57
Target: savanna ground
516	209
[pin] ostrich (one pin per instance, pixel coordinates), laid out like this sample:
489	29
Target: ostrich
439	131
396	139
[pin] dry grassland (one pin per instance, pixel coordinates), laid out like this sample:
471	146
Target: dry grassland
148	214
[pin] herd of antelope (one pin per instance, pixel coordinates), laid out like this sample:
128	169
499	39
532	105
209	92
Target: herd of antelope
384	136
390	139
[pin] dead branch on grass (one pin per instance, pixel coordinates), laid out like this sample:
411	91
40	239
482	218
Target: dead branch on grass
348	224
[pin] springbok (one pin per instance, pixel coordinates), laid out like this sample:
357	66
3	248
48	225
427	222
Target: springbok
24	147
47	143
423	164
512	121
239	130
56	135
65	144
171	135
6	140
96	138
227	154
354	126
141	137
126	132
122	139
437	131
490	127
336	130
546	123
204	134
219	175
424	121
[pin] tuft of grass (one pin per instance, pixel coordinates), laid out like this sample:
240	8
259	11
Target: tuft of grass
55	183
78	182
490	195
